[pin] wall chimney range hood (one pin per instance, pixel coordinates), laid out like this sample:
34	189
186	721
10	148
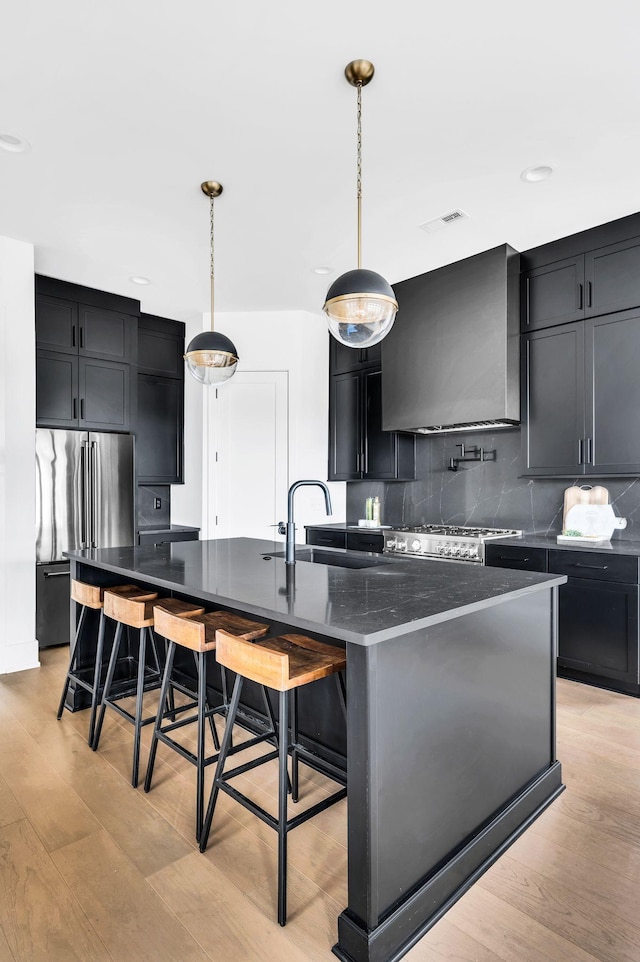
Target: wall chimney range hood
451	362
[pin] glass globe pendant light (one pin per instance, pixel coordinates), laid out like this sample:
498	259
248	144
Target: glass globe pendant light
211	357
360	305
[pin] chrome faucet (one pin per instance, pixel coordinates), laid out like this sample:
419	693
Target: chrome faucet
290	553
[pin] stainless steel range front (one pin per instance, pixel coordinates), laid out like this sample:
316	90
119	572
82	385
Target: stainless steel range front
443	542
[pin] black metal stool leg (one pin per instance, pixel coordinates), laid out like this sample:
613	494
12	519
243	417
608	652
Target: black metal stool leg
142	646
225	694
73	661
107	684
283	755
202	707
96	677
166	681
212	724
224	749
294	751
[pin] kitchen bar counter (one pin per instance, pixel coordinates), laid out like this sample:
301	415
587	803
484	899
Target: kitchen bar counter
451	707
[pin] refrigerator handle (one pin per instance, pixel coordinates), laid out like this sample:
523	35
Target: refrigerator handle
84	482
93	500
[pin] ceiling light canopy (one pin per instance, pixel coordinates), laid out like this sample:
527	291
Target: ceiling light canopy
211	357
538	172
15	145
360	305
139	279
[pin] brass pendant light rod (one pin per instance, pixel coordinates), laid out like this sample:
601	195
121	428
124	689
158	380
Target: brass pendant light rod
359	73
212	189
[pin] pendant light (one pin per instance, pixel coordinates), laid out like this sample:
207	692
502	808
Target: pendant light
360	305
211	357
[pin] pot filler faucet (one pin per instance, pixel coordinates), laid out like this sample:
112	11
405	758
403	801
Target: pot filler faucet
290	529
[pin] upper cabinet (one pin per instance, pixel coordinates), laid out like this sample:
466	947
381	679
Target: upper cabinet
160	418
358	447
84	345
597	282
581	398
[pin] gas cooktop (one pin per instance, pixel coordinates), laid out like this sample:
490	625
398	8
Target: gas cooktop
443	541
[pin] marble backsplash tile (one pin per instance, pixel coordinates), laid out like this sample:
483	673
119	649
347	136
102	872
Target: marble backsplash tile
489	493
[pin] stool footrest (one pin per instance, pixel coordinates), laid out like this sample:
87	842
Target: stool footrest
128	715
271	820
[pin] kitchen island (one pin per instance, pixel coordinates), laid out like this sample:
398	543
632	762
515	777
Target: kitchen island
451	706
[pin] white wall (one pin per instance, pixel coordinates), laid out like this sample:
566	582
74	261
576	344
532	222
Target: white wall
18	645
292	341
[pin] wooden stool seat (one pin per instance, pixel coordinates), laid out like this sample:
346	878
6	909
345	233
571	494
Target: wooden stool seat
132	611
285	664
181	609
197	634
282	663
92	596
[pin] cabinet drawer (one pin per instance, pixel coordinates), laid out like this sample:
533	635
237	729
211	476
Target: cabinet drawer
525	559
594	565
162	537
327	538
365	542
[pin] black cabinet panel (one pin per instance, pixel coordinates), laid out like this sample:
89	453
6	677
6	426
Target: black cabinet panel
343	359
56	324
56	390
159	353
105	334
365	541
327	537
613	394
345	418
508	556
165	537
104	389
596	565
159	431
553	401
599	629
554	294
612	276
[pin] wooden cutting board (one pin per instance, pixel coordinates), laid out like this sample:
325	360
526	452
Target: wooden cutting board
583	495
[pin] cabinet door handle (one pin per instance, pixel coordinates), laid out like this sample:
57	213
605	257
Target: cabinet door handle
589	293
82	337
505	557
82	409
593	567
75	408
73	335
580	297
56	574
589	451
580	451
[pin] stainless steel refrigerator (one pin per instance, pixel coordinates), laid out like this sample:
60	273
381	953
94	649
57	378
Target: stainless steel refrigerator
84	499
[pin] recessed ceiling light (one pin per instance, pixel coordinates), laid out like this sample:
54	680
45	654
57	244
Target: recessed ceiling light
138	279
322	270
533	174
16	145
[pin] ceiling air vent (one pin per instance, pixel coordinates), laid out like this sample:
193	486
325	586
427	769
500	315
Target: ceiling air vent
439	222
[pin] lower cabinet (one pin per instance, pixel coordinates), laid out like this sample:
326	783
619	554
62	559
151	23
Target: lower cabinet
354	540
327	537
598	629
165	536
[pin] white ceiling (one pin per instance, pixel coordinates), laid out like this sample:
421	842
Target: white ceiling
128	106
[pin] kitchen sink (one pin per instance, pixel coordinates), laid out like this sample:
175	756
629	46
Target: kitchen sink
313	556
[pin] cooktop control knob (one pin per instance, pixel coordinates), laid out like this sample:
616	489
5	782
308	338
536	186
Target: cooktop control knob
390	545
416	544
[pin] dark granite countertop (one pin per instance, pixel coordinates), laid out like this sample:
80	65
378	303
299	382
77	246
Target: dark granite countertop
153	528
618	547
364	606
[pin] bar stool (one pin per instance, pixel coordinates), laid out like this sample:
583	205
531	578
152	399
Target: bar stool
134	613
197	634
282	664
92	597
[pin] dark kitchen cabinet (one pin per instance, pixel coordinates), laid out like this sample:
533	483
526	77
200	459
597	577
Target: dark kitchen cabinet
343	359
601	281
358	447
598	626
160	417
84	348
365	541
327	537
581	397
167	536
78	392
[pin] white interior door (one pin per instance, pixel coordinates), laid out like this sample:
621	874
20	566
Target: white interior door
248	473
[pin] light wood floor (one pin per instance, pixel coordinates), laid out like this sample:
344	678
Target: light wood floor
91	870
